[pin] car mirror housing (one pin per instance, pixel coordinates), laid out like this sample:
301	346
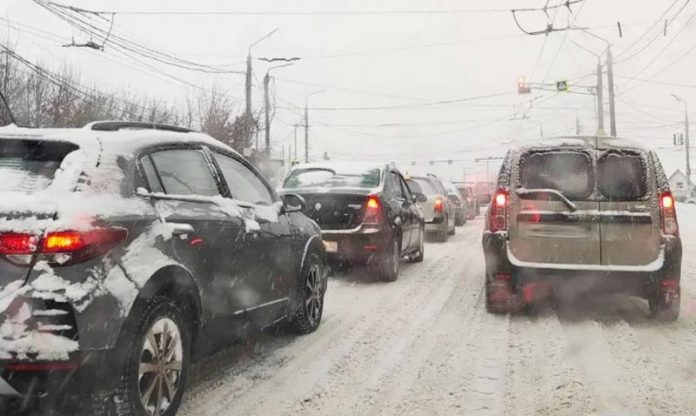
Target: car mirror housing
293	203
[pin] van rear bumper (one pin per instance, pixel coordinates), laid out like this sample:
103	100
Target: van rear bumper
641	281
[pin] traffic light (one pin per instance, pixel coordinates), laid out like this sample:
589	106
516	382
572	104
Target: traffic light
522	86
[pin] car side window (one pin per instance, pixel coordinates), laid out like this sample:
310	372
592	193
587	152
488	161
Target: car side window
395	186
243	183
151	176
404	189
184	172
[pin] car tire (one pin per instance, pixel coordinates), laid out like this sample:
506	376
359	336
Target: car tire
664	310
387	266
310	296
460	220
494	308
145	378
443	232
420	254
453	231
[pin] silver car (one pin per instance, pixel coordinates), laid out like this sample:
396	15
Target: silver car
437	209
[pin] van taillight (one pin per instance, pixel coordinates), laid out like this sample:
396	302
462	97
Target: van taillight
668	213
373	210
61	247
498	214
438	205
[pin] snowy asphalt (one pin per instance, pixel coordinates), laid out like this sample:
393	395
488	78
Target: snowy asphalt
424	345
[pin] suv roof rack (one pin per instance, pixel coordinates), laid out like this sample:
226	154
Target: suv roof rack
120	125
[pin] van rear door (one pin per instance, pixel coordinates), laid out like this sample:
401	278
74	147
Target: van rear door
629	207
552	210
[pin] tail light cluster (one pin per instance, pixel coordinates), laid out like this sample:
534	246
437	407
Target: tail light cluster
373	210
498	214
439	205
668	213
60	247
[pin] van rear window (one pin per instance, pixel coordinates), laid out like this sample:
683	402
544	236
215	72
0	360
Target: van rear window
569	172
30	165
621	176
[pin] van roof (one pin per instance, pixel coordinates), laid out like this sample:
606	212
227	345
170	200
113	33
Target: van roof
598	142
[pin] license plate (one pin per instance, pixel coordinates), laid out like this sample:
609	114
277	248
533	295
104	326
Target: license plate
331	246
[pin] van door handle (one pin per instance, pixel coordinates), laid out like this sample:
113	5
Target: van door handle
180	228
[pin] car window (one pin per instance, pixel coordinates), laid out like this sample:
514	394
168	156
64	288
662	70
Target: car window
151	175
185	172
30	166
414	186
395	186
621	176
404	188
569	172
428	187
243	182
330	178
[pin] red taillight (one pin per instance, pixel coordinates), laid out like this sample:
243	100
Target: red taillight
373	210
62	247
439	205
669	214
12	244
498	214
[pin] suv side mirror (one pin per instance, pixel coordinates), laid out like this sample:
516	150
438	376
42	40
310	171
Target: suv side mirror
419	197
293	203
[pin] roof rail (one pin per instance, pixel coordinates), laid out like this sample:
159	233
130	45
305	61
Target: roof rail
121	125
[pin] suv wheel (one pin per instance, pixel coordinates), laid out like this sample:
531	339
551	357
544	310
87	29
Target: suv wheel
157	362
310	296
662	309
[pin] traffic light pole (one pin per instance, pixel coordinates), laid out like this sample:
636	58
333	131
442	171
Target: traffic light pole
610	85
600	97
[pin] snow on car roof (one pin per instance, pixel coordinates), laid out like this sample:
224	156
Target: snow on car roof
342	166
121	141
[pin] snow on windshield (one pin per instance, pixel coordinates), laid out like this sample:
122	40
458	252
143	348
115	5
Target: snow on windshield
327	178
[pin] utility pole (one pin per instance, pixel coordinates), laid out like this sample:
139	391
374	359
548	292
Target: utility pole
686	134
306	132
248	86
295	152
267	105
600	97
610	84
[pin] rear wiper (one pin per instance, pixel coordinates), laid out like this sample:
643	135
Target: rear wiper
534	193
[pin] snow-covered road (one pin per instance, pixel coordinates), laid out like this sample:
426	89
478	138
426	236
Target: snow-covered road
424	345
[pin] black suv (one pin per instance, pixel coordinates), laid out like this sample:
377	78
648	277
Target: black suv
127	250
366	211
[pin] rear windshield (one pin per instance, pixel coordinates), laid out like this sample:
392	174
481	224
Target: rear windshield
329	178
567	172
30	166
414	186
621	176
426	186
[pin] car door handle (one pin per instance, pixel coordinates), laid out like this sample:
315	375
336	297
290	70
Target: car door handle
180	228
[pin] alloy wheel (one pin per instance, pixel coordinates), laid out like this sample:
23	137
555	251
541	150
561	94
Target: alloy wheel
314	294
159	371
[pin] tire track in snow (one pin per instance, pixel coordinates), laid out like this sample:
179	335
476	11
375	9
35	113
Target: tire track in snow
296	368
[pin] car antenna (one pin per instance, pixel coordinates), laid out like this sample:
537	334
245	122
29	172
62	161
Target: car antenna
7	107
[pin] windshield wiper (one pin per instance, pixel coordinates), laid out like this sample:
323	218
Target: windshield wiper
534	193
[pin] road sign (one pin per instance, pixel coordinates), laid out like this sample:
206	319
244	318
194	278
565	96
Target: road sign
561	85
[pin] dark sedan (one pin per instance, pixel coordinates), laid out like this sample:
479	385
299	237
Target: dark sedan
366	212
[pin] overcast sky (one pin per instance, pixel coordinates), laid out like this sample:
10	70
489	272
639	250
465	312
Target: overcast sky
404	62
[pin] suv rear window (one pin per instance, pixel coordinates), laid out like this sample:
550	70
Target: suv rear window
29	165
567	172
621	176
428	187
330	178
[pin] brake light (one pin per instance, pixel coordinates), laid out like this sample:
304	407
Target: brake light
61	247
668	213
439	205
498	215
14	244
373	210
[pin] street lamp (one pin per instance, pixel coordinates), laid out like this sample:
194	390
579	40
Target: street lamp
686	133
610	83
306	123
266	81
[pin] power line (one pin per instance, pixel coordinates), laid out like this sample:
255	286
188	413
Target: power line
648	30
296	12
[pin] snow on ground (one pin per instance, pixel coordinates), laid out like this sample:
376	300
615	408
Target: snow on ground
424	345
